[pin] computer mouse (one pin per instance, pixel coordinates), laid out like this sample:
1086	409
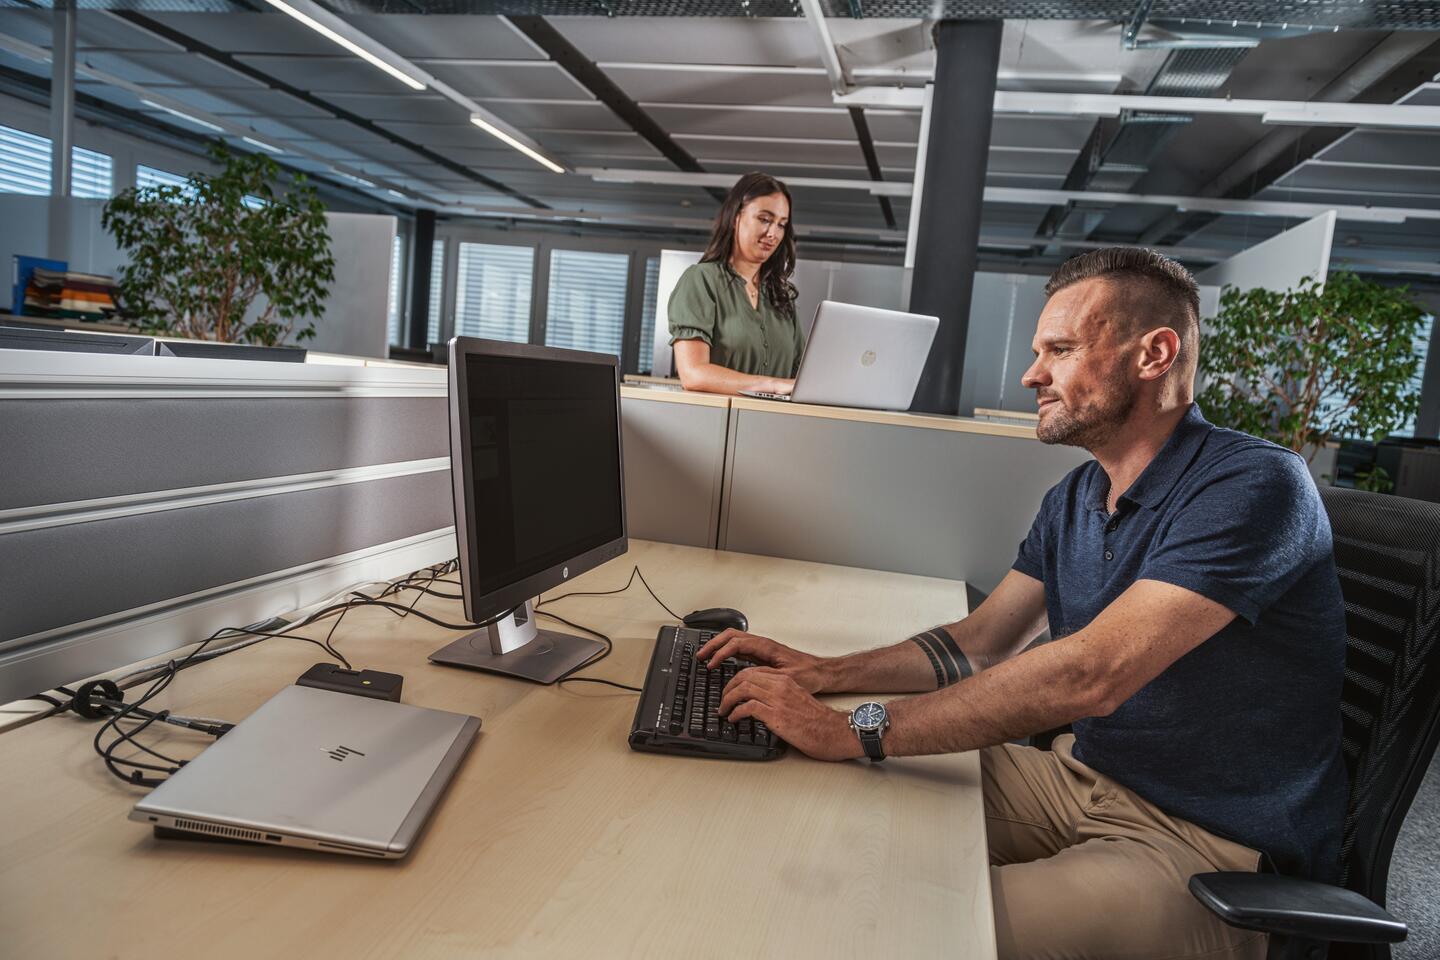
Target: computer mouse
717	618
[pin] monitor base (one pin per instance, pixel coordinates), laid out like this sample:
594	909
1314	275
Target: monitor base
545	659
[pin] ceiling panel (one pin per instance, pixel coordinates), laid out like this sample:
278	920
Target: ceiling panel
669	86
1003	161
444	35
692	40
760	152
343	74
1379	147
1052	132
894	124
538	79
823	122
417	107
577	147
186	68
269	103
440	136
555	114
1377	197
270	32
1361	180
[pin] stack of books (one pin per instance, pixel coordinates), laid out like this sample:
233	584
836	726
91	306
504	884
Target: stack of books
69	295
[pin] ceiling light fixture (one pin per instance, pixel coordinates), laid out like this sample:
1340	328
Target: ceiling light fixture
184	116
354	179
332	34
504	137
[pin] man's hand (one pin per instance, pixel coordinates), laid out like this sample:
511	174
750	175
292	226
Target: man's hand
791	712
804	669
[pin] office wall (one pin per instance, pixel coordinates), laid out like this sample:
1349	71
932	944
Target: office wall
1003	310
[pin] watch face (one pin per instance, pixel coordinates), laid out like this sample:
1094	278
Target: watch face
869	716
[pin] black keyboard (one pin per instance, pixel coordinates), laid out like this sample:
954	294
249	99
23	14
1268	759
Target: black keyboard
679	706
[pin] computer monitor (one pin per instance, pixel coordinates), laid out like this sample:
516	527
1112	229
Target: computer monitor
535	465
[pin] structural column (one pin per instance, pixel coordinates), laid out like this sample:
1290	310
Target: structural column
62	126
422	247
967	56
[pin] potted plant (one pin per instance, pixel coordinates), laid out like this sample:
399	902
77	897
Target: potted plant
1318	363
201	254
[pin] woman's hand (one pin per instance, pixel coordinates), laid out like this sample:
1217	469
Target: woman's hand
778	385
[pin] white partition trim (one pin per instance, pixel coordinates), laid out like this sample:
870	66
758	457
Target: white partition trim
40	516
177	621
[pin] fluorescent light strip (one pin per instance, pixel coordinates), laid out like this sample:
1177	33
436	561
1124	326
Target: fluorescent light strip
354	179
348	44
504	137
262	145
184	116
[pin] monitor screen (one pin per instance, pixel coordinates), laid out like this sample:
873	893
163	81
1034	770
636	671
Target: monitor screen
544	465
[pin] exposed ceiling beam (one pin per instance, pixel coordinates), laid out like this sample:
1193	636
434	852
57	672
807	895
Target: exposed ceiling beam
1299	112
825	46
877	188
872	162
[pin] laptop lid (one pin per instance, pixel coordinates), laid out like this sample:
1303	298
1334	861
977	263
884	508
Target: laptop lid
318	770
860	356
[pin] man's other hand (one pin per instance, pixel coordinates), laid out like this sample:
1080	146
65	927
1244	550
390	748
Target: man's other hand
806	670
791	712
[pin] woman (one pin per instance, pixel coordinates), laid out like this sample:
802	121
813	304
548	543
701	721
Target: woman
732	315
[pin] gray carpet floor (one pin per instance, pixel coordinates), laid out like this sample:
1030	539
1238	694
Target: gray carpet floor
1414	890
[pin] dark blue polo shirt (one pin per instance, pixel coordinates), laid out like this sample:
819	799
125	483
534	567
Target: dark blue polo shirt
1241	735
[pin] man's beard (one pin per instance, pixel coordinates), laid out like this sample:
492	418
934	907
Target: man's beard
1093	427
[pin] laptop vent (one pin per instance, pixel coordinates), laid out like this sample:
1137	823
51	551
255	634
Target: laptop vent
233	832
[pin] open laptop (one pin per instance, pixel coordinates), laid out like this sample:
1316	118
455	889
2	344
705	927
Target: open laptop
860	356
317	770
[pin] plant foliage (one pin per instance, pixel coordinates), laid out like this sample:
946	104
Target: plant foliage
200	255
1311	364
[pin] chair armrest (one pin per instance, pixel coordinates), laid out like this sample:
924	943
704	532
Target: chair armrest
1294	907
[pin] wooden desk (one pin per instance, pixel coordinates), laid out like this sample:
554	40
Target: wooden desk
555	839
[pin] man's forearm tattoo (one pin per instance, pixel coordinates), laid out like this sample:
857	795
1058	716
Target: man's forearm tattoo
950	663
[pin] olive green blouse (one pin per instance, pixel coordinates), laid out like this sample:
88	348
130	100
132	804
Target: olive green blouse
709	303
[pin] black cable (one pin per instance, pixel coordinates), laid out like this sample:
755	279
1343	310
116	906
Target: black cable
609	646
635	572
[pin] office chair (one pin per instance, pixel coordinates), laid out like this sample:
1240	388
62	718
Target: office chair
1387	552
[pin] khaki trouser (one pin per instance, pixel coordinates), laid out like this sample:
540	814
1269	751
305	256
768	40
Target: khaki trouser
1082	867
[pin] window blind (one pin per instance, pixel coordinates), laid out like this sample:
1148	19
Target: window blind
492	291
397	279
587	300
437	290
647	315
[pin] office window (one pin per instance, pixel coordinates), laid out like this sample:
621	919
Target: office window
492	291
647	315
587	300
24	162
155	177
437	291
25	167
90	174
1423	340
397	280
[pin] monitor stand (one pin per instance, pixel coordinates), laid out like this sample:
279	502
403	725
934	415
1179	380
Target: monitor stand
514	647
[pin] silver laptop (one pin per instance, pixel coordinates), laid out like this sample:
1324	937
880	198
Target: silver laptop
318	770
860	356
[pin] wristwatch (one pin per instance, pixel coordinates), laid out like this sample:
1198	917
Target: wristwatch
870	721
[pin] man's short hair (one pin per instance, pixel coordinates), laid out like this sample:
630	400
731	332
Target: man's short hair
1159	288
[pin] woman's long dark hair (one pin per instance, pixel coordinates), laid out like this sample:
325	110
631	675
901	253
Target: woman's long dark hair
774	272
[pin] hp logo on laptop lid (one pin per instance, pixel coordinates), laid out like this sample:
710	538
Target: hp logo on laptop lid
867	359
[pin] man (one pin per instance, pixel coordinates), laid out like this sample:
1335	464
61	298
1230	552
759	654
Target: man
1187	576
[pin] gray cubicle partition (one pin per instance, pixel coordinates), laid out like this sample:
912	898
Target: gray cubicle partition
940	500
147	501
674	464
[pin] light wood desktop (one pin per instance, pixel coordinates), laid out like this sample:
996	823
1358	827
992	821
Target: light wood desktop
555	839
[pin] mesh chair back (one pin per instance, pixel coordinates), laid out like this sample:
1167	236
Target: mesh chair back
1387	551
